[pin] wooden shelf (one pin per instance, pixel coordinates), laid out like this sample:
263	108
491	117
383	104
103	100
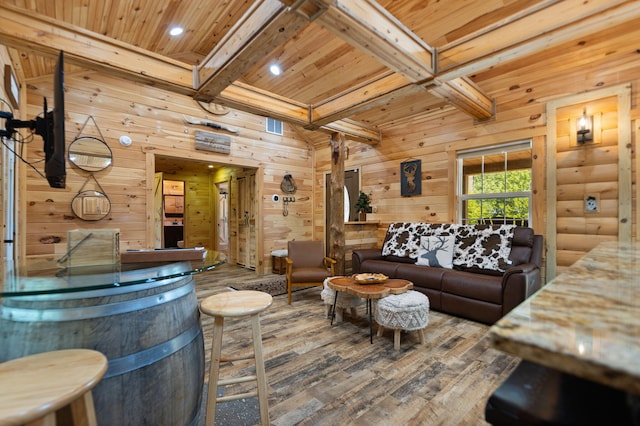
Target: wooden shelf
368	222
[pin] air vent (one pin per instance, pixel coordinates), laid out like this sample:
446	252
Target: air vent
274	126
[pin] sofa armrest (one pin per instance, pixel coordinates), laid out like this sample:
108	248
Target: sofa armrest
360	255
518	283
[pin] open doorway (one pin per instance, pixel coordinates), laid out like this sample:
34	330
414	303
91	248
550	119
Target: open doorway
222	217
221	208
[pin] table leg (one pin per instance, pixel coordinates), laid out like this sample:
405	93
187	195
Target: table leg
370	320
333	308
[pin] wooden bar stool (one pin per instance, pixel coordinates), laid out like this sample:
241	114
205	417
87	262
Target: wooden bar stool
52	386
236	304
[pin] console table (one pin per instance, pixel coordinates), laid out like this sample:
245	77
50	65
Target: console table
142	316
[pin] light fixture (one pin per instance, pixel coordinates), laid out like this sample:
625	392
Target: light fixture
176	31
275	69
585	128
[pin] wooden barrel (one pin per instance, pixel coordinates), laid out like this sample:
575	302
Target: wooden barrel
150	333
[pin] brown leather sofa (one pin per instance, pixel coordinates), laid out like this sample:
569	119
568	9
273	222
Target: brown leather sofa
480	295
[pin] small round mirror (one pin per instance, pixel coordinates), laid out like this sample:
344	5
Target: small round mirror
91	205
90	154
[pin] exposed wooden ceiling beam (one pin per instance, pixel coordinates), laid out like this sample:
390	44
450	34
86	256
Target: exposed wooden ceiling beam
373	93
540	27
467	97
372	29
37	33
251	99
262	28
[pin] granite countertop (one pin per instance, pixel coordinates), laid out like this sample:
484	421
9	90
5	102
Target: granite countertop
585	322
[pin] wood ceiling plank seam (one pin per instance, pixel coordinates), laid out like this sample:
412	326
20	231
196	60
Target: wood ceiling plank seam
537	40
140	33
96	15
117	26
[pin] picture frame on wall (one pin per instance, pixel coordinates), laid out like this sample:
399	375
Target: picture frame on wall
410	178
11	87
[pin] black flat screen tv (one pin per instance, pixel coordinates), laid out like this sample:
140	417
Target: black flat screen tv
50	127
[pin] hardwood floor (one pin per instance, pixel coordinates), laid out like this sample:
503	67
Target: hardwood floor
321	374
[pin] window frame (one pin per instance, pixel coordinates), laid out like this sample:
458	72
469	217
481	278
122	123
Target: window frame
520	145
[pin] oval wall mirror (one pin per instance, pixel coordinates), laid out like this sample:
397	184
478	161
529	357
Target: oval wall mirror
91	205
90	154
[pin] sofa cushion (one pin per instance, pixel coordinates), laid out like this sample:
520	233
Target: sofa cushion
483	287
521	246
421	276
436	251
484	247
402	239
380	267
478	248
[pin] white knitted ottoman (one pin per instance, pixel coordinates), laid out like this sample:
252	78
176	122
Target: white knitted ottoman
345	301
407	311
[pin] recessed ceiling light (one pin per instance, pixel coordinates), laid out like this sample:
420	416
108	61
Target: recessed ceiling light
176	31
275	69
210	166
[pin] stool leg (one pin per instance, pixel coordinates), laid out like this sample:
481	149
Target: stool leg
263	400
83	410
421	336
396	339
380	328
214	370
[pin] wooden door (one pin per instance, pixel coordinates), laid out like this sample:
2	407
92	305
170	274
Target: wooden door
158	224
247	208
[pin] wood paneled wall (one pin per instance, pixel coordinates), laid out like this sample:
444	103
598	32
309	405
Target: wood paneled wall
153	119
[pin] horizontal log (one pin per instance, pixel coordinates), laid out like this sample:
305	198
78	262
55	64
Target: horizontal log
586	226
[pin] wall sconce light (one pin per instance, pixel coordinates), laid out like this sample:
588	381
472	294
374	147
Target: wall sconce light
585	128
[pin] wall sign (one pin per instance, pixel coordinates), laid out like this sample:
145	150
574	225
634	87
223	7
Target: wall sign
410	180
213	142
11	87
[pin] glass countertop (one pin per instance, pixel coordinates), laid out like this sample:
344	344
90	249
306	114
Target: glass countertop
46	276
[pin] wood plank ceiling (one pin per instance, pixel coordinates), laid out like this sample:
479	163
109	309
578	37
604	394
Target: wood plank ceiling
348	65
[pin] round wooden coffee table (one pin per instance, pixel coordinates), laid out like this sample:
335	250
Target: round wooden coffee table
366	291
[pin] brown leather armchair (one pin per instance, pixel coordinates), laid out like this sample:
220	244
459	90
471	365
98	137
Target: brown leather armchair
307	265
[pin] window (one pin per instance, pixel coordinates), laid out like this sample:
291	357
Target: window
495	185
274	126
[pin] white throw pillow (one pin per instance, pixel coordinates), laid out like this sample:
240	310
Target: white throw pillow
436	251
